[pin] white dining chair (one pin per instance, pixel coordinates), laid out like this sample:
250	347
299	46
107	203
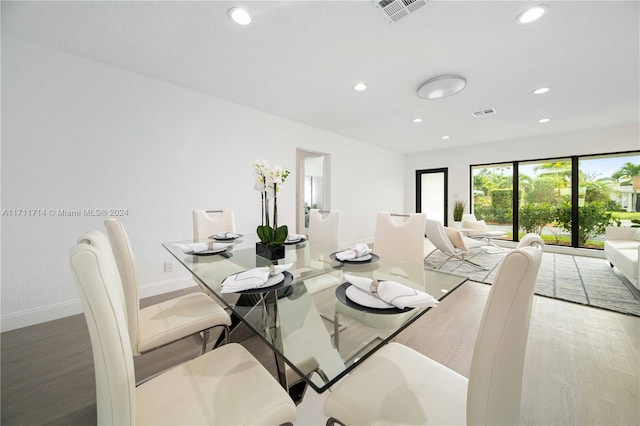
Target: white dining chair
397	237
324	235
208	222
400	236
398	385
324	227
162	323
222	387
450	242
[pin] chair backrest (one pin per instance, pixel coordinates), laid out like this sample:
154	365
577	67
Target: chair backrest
206	224
401	241
470	217
495	380
98	283
434	229
324	230
123	254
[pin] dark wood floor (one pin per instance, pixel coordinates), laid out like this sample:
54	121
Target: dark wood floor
48	375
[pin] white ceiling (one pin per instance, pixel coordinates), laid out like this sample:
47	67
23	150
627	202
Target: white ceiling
300	59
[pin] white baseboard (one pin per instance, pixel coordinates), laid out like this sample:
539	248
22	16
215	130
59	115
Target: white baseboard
39	315
73	307
160	287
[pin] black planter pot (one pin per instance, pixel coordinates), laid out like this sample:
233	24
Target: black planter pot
268	252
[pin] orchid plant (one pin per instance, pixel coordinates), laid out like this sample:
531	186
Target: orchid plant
267	182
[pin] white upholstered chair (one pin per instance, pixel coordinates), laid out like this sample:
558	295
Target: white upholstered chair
450	242
400	240
165	322
478	230
324	235
225	386
208	222
398	385
324	230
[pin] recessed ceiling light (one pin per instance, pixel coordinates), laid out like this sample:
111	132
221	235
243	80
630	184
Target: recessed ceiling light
417	120
360	87
532	14
544	120
240	16
445	137
441	86
541	90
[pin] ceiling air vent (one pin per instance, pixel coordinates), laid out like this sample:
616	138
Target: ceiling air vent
482	113
393	10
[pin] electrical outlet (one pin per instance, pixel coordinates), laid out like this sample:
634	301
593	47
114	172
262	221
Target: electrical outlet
168	266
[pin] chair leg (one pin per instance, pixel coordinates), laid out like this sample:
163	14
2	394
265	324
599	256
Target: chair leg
226	336
440	265
205	339
475	265
336	331
491	243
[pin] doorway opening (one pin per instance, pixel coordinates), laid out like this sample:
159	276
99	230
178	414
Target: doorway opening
431	193
313	186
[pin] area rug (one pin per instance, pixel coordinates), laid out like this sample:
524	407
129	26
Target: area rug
585	280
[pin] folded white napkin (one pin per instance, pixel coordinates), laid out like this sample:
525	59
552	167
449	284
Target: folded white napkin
225	235
354	252
391	292
265	276
295	237
202	247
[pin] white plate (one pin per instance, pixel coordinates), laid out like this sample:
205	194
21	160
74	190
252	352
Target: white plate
210	252
366	299
295	241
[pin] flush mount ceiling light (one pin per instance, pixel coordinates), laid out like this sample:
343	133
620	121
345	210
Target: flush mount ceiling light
240	16
445	137
541	90
532	14
441	86
417	120
360	87
544	120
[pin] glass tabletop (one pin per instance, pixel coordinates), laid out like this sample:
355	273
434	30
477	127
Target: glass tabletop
310	323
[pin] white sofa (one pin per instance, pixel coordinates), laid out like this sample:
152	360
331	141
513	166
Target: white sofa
622	248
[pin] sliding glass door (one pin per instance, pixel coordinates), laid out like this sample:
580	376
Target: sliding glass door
568	201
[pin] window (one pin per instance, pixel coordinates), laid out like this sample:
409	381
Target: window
544	189
493	196
568	201
607	195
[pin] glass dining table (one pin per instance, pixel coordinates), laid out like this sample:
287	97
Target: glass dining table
317	334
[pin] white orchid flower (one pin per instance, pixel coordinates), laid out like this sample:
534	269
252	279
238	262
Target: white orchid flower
276	175
259	184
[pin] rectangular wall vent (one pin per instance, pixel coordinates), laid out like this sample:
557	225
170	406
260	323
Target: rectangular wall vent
393	10
482	113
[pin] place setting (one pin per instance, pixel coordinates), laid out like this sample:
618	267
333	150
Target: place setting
381	297
357	253
293	239
258	280
204	249
225	236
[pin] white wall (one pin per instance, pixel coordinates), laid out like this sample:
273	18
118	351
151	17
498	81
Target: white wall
78	134
458	159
